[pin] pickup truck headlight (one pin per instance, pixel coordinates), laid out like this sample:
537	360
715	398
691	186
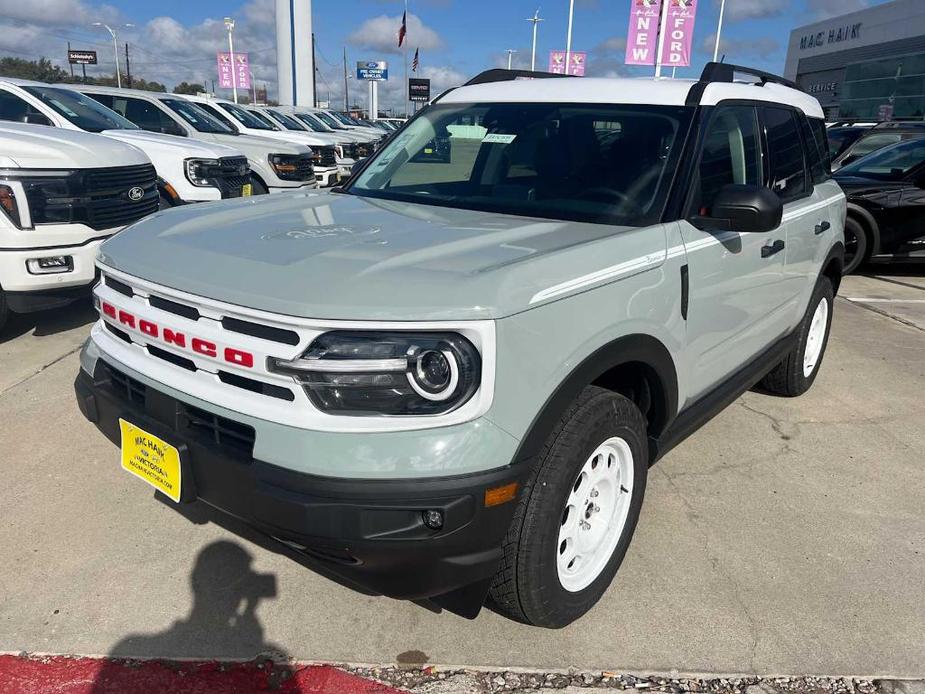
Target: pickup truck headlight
387	373
202	172
292	167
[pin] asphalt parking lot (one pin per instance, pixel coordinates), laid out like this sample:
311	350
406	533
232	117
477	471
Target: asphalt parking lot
786	537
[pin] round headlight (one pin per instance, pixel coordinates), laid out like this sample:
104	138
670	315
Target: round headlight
435	374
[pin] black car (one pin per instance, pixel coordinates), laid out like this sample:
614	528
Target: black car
842	137
886	203
879	136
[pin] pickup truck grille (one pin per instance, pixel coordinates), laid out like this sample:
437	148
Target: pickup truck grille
100	198
324	156
234	172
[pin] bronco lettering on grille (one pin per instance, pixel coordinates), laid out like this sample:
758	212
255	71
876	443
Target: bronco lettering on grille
238	357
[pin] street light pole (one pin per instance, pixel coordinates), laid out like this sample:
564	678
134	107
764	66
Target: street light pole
115	48
229	26
536	20
510	54
568	42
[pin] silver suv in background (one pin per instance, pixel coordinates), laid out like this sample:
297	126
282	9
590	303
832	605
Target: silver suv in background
274	166
448	380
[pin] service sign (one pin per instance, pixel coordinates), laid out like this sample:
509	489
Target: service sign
81	57
234	75
679	32
372	70
576	60
642	36
419	89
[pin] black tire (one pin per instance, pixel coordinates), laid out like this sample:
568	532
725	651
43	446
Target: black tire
4	310
789	378
257	187
857	245
527	587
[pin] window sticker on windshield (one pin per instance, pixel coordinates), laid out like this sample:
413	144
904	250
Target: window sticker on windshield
68	112
499	138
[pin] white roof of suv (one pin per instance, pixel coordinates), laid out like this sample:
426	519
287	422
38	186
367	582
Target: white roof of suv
668	92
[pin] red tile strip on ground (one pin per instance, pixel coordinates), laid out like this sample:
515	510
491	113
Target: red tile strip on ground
64	675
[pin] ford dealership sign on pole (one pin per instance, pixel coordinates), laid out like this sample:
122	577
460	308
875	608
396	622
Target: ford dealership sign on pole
374	72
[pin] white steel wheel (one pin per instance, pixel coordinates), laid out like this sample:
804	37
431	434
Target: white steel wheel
595	514
815	338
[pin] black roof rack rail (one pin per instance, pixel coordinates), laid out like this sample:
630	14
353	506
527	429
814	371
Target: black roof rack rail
725	72
502	75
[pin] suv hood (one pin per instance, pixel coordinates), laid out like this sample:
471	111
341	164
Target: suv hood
171	145
258	147
334	256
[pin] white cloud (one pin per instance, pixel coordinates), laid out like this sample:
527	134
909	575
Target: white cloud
760	47
380	35
823	9
737	10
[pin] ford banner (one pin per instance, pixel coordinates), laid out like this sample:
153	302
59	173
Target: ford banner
642	36
238	75
679	32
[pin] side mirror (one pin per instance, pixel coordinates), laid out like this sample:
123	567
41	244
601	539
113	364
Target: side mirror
745	208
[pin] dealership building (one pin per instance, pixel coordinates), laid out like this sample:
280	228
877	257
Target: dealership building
866	65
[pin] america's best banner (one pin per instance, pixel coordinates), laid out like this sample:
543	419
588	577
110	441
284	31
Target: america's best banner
679	33
642	37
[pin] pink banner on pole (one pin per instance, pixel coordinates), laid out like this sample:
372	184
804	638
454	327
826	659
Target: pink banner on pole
679	32
577	61
238	75
642	36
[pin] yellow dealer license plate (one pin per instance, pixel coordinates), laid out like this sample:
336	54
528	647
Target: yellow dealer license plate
247	190
152	459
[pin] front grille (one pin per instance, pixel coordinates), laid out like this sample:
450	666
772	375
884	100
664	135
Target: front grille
350	150
305	169
99	198
185	420
233	173
325	156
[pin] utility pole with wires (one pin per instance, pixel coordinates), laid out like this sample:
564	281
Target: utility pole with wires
536	20
128	67
69	62
346	88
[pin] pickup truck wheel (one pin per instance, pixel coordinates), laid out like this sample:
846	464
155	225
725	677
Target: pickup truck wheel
796	373
857	246
577	512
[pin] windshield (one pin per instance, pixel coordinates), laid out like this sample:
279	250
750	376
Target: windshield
86	113
289	122
346	120
312	123
198	118
248	119
890	163
595	163
328	120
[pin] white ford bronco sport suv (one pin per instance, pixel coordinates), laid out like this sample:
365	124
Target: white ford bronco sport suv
62	193
449	377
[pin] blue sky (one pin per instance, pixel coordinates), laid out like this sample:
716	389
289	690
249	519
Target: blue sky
177	39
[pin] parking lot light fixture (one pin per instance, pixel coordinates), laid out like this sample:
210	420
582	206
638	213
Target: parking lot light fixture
115	48
229	27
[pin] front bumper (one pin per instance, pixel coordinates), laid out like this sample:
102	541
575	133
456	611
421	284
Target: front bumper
371	532
15	278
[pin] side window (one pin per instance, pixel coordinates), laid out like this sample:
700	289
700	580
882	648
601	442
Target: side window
814	157
13	108
822	141
218	114
147	116
107	101
731	154
785	150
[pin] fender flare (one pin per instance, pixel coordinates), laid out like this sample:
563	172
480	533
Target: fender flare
868	219
637	347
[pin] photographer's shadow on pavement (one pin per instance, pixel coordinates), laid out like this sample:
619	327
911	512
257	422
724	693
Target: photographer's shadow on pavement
222	623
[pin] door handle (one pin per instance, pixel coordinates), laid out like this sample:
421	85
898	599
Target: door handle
772	248
822	226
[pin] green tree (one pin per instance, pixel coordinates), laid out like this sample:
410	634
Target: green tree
41	70
189	88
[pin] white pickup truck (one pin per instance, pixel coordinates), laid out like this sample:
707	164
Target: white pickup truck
188	171
62	193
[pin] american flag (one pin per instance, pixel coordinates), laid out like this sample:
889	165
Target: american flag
415	63
404	28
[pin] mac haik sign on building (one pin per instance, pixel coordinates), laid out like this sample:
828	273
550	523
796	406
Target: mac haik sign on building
647	18
849	32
